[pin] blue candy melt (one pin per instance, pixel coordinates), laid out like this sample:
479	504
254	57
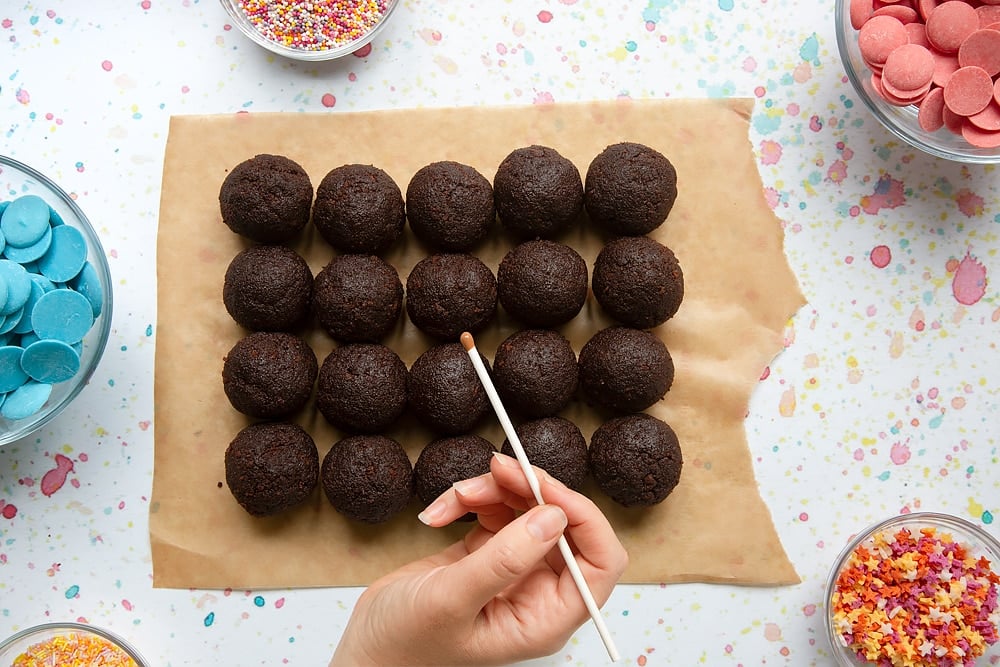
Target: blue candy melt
50	361
12	375
3	293
88	284
54	218
25	220
43	282
66	255
26	400
10	321
18	286
24	326
29	338
32	252
62	314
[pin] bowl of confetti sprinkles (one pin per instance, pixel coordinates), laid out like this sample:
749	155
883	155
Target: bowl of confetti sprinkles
68	644
928	70
310	29
55	300
917	590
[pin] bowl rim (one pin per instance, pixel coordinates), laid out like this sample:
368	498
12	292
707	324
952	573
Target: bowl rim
73	626
23	428
962	529
248	30
974	156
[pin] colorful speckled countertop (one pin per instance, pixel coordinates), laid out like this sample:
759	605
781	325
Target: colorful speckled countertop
884	400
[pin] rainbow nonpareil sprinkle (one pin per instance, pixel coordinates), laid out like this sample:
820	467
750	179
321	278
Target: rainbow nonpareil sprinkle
314	25
74	650
906	599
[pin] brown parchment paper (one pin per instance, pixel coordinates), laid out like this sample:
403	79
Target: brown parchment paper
740	293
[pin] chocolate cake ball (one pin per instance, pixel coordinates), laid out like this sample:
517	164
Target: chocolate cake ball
359	209
357	298
538	192
448	460
367	478
361	387
542	283
556	446
271	467
630	189
638	281
625	369
269	375
535	372
268	288
450	206
266	198
636	460
444	390
449	293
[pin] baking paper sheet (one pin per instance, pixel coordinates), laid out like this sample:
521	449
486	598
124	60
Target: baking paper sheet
740	294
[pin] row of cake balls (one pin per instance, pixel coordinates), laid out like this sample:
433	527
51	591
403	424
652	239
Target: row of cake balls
629	190
540	283
366	387
272	467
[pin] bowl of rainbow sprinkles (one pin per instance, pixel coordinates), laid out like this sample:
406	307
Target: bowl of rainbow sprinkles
311	30
916	590
68	644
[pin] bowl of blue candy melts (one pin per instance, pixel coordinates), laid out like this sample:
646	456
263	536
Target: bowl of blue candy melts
55	300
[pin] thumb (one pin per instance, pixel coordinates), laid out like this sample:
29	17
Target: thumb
468	584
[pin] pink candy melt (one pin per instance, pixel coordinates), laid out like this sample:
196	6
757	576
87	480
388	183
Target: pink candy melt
878	37
943	57
950	24
861	10
930	115
989	118
981	49
968	91
988	15
910	67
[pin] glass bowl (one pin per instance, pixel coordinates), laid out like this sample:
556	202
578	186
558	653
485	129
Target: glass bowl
849	575
276	40
118	652
900	121
16	180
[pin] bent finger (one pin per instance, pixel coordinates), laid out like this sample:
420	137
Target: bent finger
468	584
471	495
599	551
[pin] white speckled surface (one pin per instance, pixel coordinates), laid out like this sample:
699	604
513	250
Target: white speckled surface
883	402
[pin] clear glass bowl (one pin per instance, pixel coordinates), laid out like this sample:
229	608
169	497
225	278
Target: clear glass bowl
978	541
19	643
247	27
901	121
17	179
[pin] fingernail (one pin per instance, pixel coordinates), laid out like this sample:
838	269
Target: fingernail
546	523
504	460
469	486
432	512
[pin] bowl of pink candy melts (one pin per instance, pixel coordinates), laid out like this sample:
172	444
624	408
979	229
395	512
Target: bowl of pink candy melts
928	70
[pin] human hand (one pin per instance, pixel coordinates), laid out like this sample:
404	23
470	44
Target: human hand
501	594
